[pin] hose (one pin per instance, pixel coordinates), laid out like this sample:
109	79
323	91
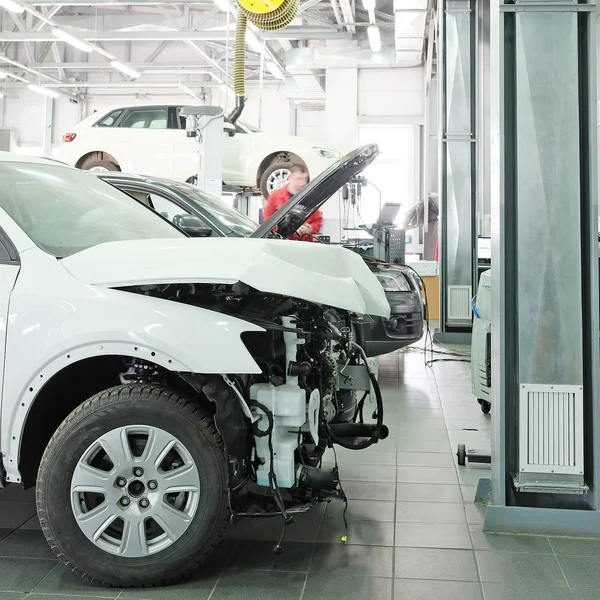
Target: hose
265	15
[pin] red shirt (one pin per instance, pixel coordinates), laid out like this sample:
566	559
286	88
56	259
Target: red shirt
277	199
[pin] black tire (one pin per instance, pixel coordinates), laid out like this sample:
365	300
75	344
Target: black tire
264	178
486	406
99	164
462	455
124	405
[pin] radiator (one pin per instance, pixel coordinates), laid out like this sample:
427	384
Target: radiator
551	429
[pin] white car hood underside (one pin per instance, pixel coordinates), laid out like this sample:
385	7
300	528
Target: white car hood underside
314	272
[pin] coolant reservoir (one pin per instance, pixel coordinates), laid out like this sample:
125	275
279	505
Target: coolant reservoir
287	403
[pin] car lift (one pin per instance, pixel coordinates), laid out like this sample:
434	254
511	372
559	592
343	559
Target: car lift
205	123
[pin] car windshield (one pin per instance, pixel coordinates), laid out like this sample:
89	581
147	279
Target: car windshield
65	210
233	222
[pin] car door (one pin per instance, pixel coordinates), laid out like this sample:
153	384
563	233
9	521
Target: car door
143	142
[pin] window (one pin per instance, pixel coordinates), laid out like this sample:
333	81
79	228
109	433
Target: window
110	119
65	210
146	118
167	208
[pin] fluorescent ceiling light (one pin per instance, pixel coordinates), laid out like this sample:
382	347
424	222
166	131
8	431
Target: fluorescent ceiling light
119	66
223	5
43	90
61	34
12	6
374	38
275	70
369	4
252	41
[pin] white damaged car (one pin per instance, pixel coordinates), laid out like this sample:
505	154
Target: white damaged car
154	386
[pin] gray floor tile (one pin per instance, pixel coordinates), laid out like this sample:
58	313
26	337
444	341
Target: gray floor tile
430	512
376	455
259	585
260	556
428	563
360	490
13	514
326	586
531	544
15	493
362	510
520	569
578	546
581	571
414	589
198	586
475	513
468	492
5	532
577	593
416	434
12	596
418	445
436	475
428	492
433	535
354	561
471	476
425	459
33	523
363	533
26	543
22	575
503	591
61	580
374	473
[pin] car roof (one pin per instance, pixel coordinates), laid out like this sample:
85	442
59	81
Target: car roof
24	158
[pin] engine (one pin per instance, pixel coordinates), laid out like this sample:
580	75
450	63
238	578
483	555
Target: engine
309	396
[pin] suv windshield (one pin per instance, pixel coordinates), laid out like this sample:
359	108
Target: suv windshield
65	210
233	222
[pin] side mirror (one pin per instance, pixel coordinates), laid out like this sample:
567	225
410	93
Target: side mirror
191	225
230	131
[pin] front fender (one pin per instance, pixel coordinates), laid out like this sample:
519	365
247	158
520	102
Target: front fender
55	320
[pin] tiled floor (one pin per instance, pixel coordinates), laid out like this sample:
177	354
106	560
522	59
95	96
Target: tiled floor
414	532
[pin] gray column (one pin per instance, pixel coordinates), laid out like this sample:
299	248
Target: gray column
545	327
457	60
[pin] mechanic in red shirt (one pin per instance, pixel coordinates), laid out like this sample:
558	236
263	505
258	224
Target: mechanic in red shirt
296	181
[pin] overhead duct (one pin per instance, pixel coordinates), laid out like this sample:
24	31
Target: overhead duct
410	18
305	89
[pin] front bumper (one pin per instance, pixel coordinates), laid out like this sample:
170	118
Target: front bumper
403	328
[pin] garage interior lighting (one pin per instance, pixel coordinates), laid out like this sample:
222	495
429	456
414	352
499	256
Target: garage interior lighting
275	70
12	6
374	38
127	70
61	34
43	90
369	4
252	41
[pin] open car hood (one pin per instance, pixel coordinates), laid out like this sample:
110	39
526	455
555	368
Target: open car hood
311	197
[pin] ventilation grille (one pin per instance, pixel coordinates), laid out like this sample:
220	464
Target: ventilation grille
459	302
551	429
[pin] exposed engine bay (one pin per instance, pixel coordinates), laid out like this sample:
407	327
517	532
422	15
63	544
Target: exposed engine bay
310	394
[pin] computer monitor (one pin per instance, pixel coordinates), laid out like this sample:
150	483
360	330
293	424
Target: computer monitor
484	249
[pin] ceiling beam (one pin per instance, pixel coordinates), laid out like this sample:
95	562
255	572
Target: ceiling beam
289	33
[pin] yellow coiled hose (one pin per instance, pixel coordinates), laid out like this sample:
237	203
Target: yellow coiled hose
267	15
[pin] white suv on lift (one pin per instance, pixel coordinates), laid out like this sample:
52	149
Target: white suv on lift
151	140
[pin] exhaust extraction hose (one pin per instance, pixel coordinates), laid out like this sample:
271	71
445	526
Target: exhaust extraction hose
266	15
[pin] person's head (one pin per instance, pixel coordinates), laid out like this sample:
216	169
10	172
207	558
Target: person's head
298	178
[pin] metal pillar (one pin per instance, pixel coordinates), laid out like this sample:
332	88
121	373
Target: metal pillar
457	60
545	326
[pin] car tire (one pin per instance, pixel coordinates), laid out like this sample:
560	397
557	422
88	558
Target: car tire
270	175
104	421
99	165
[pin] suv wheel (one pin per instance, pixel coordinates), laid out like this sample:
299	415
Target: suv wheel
100	165
274	177
132	488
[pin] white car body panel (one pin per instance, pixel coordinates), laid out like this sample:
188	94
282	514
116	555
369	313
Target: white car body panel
316	273
169	154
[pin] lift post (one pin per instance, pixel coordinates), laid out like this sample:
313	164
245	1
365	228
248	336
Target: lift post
205	123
